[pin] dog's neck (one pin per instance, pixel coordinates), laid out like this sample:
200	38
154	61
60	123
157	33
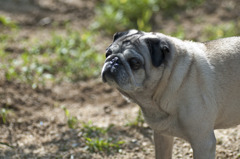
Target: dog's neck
152	113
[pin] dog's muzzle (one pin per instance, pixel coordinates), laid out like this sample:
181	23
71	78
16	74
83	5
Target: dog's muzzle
110	68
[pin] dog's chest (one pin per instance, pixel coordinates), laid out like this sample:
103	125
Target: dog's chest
156	118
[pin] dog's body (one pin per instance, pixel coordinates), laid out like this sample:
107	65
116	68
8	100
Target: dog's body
185	89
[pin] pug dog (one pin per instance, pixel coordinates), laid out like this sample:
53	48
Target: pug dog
185	89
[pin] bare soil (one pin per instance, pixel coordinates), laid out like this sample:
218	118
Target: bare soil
38	126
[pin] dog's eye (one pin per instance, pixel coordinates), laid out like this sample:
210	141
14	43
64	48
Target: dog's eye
134	63
127	42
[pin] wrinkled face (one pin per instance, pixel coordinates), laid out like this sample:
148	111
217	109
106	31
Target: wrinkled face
130	59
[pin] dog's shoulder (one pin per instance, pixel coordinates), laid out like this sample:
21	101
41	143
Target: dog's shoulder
230	45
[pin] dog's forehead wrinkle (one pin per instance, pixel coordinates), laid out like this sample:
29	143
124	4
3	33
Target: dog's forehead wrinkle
119	46
131	36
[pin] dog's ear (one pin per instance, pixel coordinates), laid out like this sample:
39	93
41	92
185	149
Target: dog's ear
158	50
120	34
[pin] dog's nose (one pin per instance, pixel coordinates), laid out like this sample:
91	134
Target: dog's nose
115	61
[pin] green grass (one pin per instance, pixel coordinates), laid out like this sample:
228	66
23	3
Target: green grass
120	15
71	57
179	33
98	140
93	131
113	16
4	115
212	32
7	22
72	121
137	122
103	145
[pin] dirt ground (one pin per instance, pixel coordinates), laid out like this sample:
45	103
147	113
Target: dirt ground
38	127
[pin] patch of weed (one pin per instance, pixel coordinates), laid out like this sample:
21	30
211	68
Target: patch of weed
113	16
74	56
138	122
103	145
28	69
71	57
220	31
93	131
179	33
120	15
7	22
72	121
4	114
98	140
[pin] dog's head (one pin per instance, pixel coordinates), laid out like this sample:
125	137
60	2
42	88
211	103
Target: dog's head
135	59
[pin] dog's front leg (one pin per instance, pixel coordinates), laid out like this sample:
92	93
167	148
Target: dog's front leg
204	145
163	146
